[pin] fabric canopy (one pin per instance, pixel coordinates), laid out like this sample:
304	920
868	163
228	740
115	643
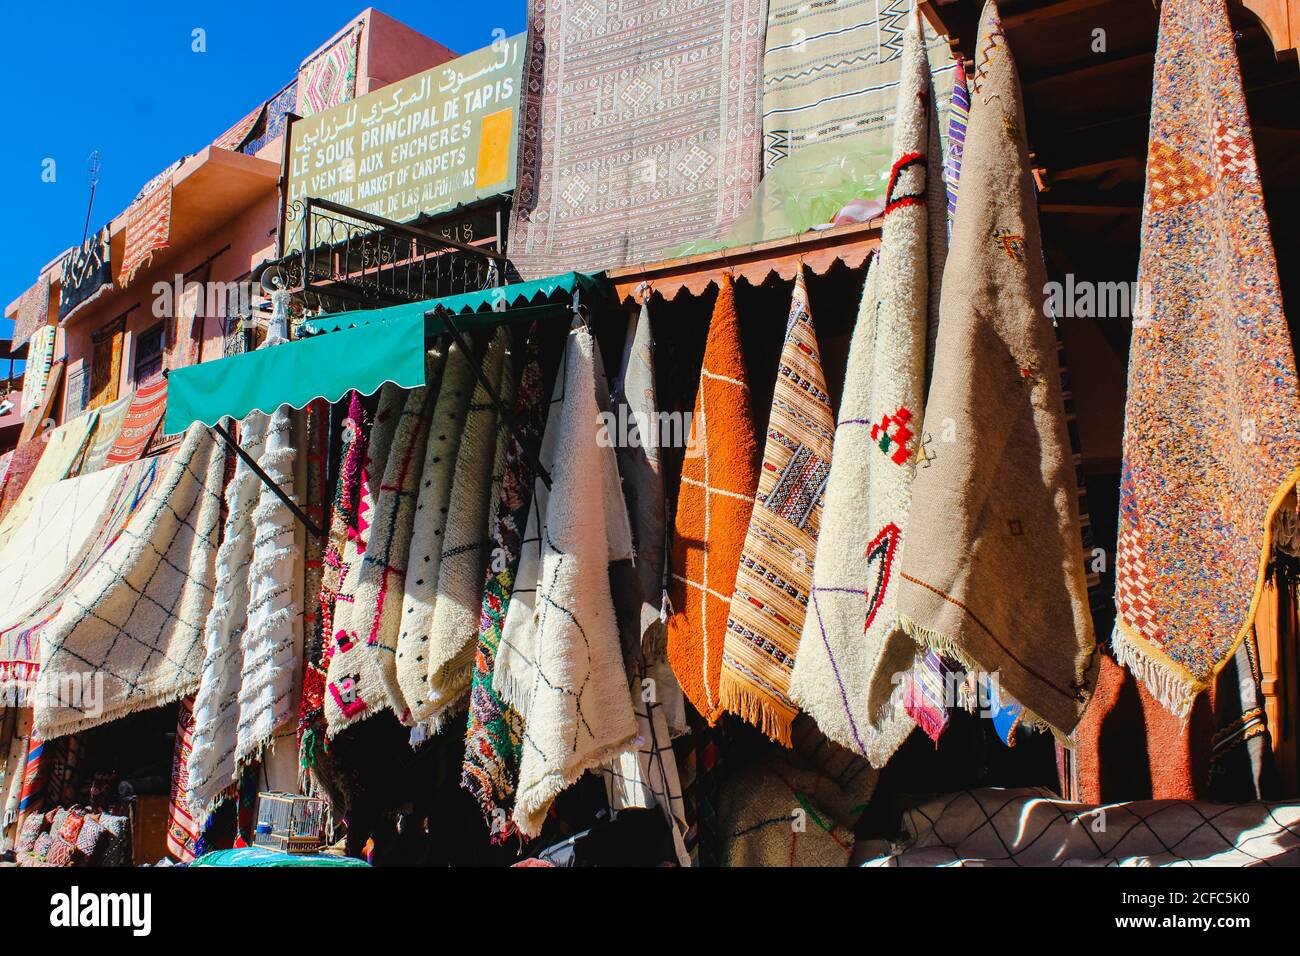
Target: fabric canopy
364	349
324	366
519	293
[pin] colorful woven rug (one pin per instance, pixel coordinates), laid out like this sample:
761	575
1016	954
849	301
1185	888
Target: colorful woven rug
33	310
40	358
354	437
831	73
87	273
494	736
22	462
237	135
182	830
142	422
137	617
354	690
560	663
774	579
278	109
652	130
61	459
112	417
998	506
958	116
148	230
453	629
852	618
1212	429
330	77
714	504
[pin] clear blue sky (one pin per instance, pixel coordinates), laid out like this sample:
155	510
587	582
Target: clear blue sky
122	78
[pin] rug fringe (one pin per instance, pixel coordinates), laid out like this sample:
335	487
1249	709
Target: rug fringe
734	697
1176	692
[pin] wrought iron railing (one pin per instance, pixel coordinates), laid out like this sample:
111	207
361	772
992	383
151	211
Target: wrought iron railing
347	259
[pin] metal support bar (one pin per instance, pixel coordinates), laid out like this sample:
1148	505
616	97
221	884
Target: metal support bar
506	415
266	480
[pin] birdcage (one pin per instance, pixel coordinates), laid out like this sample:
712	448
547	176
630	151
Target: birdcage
289	822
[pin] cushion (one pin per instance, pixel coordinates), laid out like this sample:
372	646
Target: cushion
32	826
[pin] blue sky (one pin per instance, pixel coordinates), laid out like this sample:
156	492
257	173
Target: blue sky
122	78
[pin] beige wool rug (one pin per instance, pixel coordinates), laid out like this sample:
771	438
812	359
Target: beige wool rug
991	574
453	629
560	664
211	765
429	524
130	635
377	611
851	615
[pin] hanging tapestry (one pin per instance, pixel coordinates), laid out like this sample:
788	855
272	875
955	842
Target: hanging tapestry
148	230
775	574
714	504
354	438
354	688
830	78
76	392
454	627
278	109
64	532
137	618
183	336
560	664
652	133
1212	425
61	459
330	77
377	610
643	485
269	657
869	490
111	419
87	272
212	766
316	426
106	362
33	310
22	462
141	423
235	137
420	590
182	830
494	735
994	510
40	359
958	115
640	591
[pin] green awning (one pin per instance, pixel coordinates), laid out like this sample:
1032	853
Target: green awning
363	350
485	300
323	366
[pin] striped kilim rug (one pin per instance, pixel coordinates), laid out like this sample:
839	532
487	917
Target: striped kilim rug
148	229
142	421
652	129
830	75
774	579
